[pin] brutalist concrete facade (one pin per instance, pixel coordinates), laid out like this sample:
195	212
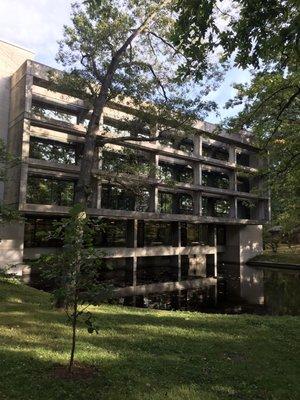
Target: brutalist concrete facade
213	211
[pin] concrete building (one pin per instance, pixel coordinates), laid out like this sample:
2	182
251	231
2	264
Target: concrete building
173	236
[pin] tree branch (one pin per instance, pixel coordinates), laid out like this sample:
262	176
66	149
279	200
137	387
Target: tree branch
281	111
176	51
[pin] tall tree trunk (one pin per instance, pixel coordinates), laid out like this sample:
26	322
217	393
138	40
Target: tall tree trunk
74	329
83	187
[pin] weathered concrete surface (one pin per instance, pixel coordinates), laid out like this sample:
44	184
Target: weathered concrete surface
243	242
11	244
11	58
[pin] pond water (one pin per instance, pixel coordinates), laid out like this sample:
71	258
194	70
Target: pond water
240	289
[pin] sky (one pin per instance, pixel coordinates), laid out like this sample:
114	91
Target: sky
37	25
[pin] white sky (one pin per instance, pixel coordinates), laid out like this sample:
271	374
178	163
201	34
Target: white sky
38	24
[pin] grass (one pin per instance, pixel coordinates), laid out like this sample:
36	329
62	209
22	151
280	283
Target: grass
145	355
285	254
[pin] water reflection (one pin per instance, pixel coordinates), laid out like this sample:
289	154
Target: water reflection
240	289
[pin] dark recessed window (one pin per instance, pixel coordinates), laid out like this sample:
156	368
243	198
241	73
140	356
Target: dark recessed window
43	111
50	191
185	204
213	207
112	233
49	150
243	159
215	179
165	202
37	233
218	153
116	198
243	184
157	234
221	235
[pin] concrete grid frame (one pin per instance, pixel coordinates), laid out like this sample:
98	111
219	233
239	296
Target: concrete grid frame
209	159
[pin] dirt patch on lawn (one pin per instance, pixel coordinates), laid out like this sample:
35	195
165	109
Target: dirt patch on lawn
79	372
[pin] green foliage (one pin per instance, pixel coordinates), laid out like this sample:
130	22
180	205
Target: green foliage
262	35
147	72
74	271
272	239
252	33
271	111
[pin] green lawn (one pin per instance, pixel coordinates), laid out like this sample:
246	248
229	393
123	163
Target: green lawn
143	354
285	254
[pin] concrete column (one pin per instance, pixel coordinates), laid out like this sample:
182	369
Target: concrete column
134	271
12	246
153	200
232	154
242	243
233	180
99	185
179	267
197	203
216	263
197	145
233	208
131	233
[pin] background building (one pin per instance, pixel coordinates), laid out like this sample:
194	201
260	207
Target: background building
168	239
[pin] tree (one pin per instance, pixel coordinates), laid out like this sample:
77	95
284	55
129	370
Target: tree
122	50
116	51
75	271
262	35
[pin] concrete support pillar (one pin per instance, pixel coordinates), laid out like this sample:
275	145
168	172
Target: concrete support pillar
233	208
134	271
232	155
23	167
99	185
233	180
242	243
197	203
197	145
131	233
179	267
12	246
153	199
216	263
197	196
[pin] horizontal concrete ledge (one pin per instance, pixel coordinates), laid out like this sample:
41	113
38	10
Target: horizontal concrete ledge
71	171
42	209
39	128
243	140
272	264
164	287
31	253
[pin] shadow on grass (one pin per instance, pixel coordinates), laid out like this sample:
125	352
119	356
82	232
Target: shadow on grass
143	355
